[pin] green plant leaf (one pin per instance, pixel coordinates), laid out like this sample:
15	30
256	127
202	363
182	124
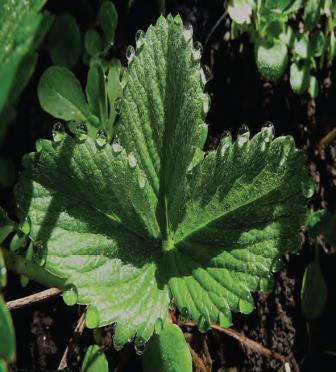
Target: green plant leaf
322	222
167	352
94	360
313	87
312	13
22	29
150	217
240	11
7	337
96	93
6	225
65	42
301	46
313	290
114	88
299	77
61	95
108	20
271	59
93	43
317	43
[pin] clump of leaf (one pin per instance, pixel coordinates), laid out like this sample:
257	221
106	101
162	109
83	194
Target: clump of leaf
22	29
150	218
276	42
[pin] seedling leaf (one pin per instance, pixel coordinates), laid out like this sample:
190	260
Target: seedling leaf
150	217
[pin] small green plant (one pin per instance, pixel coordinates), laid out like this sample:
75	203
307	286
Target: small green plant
132	218
280	34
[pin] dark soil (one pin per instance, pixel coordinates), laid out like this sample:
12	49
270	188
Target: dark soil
239	95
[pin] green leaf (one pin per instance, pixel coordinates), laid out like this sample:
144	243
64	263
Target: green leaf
94	360
61	95
301	46
133	223
240	11
65	42
313	290
167	352
7	337
93	43
114	88
312	13
271	59
108	20
21	31
6	225
317	43
313	87
96	93
299	77
322	222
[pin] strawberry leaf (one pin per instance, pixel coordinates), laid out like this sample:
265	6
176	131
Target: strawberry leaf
149	217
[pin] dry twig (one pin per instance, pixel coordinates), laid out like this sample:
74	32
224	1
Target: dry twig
31	299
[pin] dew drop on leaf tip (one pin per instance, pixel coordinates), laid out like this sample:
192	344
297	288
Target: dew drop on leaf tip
139	345
101	138
226	140
58	132
184	315
81	131
116	146
243	135
187	32
132	161
139	38
203	324
130	53
117	105
268	131
70	295
197	50
206	74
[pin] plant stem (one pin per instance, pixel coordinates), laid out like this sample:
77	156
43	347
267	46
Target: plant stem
162	6
21	266
31	299
328	138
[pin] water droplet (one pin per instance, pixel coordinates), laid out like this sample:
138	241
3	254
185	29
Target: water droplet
197	50
116	146
130	53
142	180
139	345
225	318
308	188
25	226
139	38
277	265
132	160
117	105
184	315
82	131
206	103
70	295
158	325
58	132
39	145
243	135
267	131
225	142
101	138
246	305
92	317
206	74
187	32
203	324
